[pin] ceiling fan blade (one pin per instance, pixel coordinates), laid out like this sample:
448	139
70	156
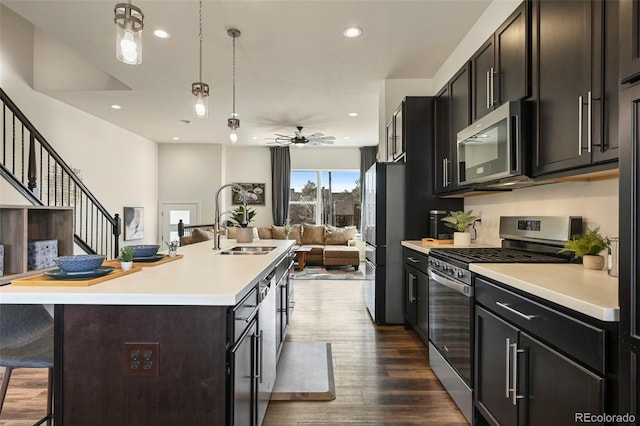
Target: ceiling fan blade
316	135
327	142
282	136
328	138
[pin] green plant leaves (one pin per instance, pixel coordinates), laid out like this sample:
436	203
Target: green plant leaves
588	243
459	220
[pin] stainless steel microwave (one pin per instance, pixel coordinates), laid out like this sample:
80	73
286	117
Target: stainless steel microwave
494	148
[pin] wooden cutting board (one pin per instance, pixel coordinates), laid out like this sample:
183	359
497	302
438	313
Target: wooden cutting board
435	241
45	280
166	259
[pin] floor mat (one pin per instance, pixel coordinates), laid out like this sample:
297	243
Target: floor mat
305	373
311	272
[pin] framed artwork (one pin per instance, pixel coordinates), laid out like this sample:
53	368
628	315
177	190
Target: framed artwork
133	223
256	191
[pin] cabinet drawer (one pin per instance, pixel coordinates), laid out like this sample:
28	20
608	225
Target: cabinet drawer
244	313
417	260
584	342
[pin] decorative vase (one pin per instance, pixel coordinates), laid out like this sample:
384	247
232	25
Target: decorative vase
461	239
244	235
125	266
172	253
595	262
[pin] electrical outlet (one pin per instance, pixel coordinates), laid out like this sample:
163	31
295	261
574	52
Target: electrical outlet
141	358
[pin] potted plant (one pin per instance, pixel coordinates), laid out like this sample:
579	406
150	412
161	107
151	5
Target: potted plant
588	246
244	233
287	228
460	221
126	258
173	247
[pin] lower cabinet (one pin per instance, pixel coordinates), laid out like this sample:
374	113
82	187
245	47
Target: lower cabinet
415	293
522	378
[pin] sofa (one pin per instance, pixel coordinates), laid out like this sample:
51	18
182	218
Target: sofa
328	245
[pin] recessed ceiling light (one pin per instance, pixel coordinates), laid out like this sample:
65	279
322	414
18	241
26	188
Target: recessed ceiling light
255	138
352	32
161	33
347	138
175	138
353	114
114	106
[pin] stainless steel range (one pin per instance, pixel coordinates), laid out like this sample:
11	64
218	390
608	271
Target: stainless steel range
451	304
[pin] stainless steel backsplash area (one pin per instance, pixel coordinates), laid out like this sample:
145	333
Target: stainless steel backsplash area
596	202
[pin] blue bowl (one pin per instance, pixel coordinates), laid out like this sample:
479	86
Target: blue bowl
80	262
145	250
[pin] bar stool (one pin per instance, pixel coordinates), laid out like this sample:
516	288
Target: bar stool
26	341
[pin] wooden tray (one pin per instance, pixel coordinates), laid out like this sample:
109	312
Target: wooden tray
166	259
45	280
435	241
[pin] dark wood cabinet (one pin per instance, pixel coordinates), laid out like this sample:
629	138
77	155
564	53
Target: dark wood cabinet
396	143
416	293
629	54
459	114
501	67
575	99
536	364
442	144
390	139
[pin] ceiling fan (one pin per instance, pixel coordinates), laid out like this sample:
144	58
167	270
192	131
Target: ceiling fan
300	140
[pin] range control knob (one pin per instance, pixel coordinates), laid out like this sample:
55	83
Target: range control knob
460	274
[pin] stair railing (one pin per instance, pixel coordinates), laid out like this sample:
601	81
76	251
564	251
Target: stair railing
26	156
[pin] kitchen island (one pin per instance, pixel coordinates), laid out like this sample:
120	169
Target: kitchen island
176	344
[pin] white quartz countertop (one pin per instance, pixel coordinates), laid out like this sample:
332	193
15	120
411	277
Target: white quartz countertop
200	278
593	293
425	247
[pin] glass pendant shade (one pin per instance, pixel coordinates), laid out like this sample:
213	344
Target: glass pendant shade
129	24
201	104
233	124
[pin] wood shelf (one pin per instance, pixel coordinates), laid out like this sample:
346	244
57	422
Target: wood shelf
19	224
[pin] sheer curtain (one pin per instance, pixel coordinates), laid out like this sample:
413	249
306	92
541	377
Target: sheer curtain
367	159
281	181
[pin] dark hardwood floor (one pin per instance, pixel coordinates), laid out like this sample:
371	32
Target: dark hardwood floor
382	375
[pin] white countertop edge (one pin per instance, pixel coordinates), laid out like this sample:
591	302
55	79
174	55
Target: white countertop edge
122	299
603	313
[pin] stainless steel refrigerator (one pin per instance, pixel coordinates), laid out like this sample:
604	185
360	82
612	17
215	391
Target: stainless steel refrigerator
384	229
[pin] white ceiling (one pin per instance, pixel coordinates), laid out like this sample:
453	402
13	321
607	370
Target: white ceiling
293	65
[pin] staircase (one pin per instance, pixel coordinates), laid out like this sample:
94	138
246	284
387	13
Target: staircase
37	171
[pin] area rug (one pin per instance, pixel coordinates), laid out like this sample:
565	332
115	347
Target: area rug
331	273
305	373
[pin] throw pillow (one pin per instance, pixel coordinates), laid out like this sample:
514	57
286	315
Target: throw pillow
265	233
339	236
198	235
295	234
312	234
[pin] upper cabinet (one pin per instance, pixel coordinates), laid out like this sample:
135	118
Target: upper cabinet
630	41
442	144
395	136
500	68
574	100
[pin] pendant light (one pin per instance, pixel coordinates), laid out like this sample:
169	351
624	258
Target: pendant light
199	89
129	23
234	121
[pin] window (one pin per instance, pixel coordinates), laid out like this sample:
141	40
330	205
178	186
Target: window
325	197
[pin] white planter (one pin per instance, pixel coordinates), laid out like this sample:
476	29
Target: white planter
172	253
244	235
125	266
593	262
461	239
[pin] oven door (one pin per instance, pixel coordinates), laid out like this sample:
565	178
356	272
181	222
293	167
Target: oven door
451	322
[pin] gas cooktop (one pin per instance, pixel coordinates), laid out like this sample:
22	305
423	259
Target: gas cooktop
494	255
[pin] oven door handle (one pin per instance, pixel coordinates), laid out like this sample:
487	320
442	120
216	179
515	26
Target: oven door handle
461	288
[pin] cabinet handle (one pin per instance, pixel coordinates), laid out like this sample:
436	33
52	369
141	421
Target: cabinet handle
506	365
412	282
510	309
488	90
256	346
444	172
580	125
251	316
514	395
589	121
413	259
491	75
261	353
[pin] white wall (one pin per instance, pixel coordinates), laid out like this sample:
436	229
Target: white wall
118	167
596	202
190	173
250	165
325	158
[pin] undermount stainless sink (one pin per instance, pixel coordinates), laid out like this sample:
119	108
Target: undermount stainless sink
246	250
